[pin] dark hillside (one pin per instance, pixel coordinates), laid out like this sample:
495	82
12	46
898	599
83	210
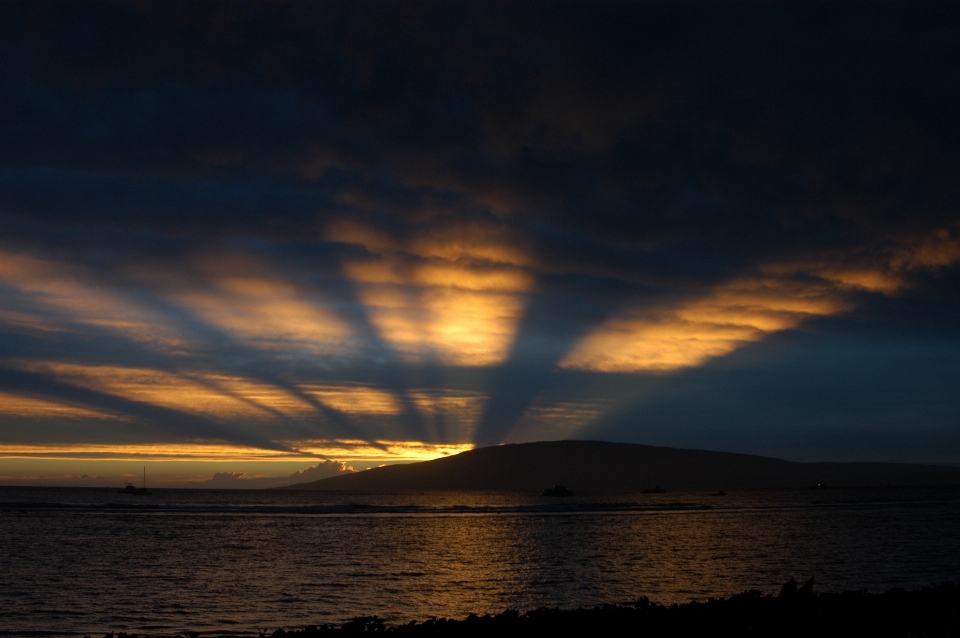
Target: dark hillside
596	466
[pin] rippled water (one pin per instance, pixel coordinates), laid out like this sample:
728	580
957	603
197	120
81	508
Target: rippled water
83	560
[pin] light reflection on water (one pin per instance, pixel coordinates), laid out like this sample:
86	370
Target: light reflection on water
93	560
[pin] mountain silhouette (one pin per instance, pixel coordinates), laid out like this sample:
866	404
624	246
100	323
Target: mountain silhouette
597	466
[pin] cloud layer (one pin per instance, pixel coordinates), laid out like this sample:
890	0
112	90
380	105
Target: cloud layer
261	225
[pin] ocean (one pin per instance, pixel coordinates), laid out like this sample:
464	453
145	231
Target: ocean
89	561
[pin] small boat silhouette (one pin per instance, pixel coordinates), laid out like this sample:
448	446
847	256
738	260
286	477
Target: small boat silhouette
653	490
556	490
130	488
719	493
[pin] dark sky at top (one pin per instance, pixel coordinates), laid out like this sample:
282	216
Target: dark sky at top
713	225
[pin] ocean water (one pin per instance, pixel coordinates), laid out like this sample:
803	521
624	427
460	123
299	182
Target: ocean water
76	561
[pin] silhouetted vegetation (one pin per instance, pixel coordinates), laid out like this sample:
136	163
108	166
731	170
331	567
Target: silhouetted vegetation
933	612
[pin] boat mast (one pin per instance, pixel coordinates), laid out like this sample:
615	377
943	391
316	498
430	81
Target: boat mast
144	477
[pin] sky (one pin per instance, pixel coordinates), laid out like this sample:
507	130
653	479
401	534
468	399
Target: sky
247	244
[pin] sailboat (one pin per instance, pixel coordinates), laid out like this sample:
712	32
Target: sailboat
130	488
556	490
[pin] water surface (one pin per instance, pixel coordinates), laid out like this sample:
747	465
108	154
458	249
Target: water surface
87	561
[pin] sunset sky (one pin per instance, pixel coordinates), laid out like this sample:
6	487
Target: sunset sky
246	240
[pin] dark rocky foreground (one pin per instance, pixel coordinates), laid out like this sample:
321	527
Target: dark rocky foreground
931	612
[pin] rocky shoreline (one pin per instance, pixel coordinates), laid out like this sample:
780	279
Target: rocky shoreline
931	612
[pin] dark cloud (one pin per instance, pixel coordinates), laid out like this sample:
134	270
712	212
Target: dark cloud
737	131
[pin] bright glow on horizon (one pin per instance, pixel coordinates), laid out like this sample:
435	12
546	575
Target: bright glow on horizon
195	464
351	450
397	451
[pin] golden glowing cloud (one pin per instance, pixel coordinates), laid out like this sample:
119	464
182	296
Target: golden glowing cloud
261	309
874	280
748	309
211	394
473	241
734	314
145	452
68	296
15	405
452	293
354	399
844	276
202	393
439	274
454	313
448	325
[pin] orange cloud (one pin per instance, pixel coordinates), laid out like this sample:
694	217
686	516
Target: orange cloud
445	306
211	394
871	279
445	324
748	309
736	313
937	249
451	241
206	393
199	451
68	296
15	405
354	399
263	310
888	274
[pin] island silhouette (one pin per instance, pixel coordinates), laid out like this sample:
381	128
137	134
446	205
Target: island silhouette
598	466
